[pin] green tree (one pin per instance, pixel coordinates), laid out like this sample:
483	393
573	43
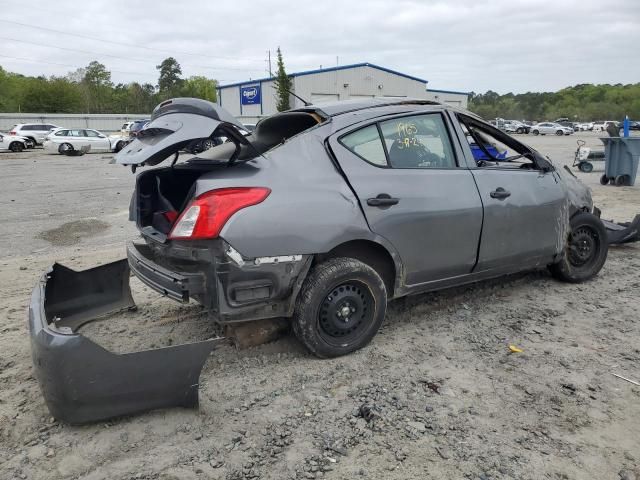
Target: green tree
169	82
283	85
200	87
97	87
54	95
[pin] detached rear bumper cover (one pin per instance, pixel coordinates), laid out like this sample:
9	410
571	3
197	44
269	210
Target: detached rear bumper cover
80	380
623	232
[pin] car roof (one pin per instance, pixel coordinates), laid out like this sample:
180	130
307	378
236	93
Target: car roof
340	107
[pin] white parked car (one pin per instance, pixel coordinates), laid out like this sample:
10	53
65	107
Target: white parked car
601	125
12	143
64	140
36	132
550	128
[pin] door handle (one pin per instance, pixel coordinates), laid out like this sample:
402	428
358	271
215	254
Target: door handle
382	200
500	193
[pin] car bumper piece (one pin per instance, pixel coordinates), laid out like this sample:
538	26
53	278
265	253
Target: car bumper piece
618	233
81	381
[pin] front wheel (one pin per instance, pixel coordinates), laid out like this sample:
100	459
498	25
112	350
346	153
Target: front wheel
536	132
585	252
559	133
340	308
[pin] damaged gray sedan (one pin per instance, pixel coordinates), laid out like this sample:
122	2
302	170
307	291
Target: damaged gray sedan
321	215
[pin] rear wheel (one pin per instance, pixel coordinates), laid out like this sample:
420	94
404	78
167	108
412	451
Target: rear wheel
604	180
622	180
340	307
16	147
585	167
64	148
585	252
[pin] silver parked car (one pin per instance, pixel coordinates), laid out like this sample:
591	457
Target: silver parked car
65	140
321	215
13	143
36	132
550	128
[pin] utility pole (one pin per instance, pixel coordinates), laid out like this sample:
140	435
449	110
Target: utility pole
269	60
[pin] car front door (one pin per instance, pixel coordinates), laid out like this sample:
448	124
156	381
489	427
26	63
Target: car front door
524	203
98	142
415	193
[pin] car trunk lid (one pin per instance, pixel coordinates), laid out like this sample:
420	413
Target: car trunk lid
174	125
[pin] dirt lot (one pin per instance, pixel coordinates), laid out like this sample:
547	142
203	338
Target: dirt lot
450	401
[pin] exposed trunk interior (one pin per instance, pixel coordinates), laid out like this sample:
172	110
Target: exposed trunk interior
162	194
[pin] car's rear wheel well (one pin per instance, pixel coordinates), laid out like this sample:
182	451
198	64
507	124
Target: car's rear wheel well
371	253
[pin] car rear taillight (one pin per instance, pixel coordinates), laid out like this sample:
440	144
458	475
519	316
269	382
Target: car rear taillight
207	214
12	132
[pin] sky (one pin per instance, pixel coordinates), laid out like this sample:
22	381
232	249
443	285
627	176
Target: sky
466	45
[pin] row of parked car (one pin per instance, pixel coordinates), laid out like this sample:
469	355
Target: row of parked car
72	141
56	139
561	126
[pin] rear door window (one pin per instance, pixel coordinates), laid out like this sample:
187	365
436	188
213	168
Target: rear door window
367	145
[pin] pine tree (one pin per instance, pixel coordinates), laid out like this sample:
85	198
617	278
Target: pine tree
283	85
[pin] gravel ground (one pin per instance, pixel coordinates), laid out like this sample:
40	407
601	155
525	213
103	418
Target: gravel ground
437	394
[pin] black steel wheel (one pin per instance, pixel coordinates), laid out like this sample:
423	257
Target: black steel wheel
16	147
345	312
586	167
340	307
604	180
65	148
585	252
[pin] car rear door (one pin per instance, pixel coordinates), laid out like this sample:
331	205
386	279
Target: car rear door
524	203
415	193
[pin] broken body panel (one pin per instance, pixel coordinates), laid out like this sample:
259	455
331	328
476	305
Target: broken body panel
83	382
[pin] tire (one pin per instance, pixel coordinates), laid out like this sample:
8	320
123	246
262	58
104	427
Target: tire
16	147
64	148
33	141
519	130
604	180
622	180
320	321
30	143
585	167
585	252
119	146
559	133
536	132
